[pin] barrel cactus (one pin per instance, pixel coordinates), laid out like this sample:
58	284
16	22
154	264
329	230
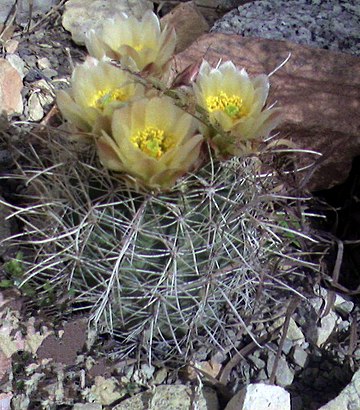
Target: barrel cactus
157	217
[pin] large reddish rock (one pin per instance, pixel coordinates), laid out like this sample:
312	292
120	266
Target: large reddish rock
10	89
318	90
188	23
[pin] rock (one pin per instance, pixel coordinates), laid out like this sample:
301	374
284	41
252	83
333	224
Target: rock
294	333
11	46
18	64
5	369
319	92
318	331
300	356
22	9
257	362
10	89
349	398
284	376
188	23
325	328
49	73
160	376
260	397
174	397
5	399
35	108
325	24
81	16
342	306
287	346
87	406
42	96
43	63
106	391
213	10
218	4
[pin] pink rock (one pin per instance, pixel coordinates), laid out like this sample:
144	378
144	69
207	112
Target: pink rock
10	89
318	90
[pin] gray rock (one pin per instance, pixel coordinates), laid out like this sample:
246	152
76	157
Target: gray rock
329	24
174	397
23	10
49	73
299	356
257	362
349	398
81	16
284	375
287	346
87	406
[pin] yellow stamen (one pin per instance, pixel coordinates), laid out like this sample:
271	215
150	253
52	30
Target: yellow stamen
152	141
231	105
104	97
138	47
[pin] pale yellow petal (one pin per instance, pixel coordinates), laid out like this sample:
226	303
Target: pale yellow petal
83	120
183	157
108	153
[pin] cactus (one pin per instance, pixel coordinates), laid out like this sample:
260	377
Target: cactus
161	226
160	271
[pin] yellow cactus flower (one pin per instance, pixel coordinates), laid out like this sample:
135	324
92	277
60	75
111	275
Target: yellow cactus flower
136	44
236	103
153	141
97	88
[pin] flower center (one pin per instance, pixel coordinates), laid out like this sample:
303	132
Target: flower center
152	141
231	105
104	97
137	47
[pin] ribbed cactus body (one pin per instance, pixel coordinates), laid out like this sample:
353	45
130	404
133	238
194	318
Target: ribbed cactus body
161	270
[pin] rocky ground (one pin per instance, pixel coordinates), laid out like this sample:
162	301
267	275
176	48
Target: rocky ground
312	351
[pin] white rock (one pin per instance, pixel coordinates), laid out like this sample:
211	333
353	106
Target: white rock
343	306
349	398
327	326
81	16
260	397
35	108
43	63
172	397
319	332
5	400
